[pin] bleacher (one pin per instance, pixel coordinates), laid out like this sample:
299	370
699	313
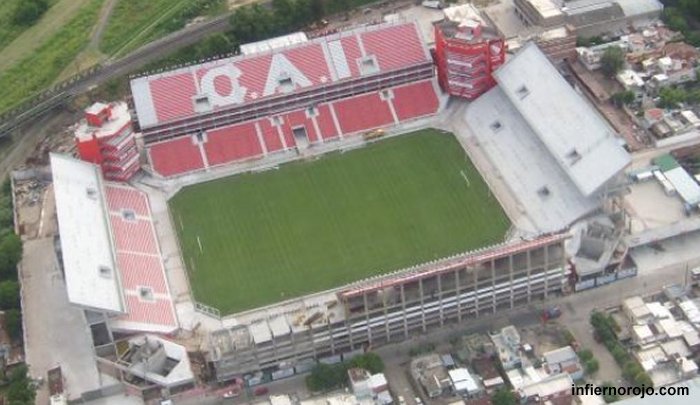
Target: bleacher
148	301
415	100
235	143
172	106
126	198
241	142
176	156
363	113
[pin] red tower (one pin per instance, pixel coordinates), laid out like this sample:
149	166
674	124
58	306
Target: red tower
466	54
106	138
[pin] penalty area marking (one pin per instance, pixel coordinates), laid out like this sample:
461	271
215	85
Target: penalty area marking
199	242
466	179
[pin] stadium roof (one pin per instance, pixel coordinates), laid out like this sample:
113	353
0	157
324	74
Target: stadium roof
227	83
91	277
579	139
546	194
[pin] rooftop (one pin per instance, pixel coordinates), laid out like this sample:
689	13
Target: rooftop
89	265
581	141
120	118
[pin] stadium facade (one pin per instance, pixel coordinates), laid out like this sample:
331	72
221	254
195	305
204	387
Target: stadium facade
287	338
286	99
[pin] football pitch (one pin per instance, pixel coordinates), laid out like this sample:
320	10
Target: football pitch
254	239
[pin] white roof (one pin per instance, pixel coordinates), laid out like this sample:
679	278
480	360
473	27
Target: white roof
92	279
560	355
463	380
546	8
638	7
642	332
555	384
180	373
687	187
120	118
658	310
630	78
525	164
580	140
273	43
463	12
670	328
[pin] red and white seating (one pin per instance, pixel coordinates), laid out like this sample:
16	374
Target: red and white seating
415	100
177	156
230	144
362	113
148	302
127	198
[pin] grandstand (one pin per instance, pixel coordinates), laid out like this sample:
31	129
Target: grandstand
284	99
111	257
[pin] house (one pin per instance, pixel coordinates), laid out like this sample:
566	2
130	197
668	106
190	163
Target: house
430	374
464	384
507	344
563	360
636	310
556	388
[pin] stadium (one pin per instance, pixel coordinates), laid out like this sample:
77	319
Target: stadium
305	202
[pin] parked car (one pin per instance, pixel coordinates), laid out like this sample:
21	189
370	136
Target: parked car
260	391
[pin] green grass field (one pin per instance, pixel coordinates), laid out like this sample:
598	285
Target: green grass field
39	69
313	225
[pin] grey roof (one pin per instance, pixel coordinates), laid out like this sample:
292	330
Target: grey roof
580	140
525	165
560	355
639	7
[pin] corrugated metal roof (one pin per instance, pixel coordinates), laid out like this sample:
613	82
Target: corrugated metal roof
584	145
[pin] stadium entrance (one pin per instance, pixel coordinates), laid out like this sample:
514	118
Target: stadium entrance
301	137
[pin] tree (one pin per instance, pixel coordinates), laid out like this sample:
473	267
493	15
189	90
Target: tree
503	397
326	377
368	361
28	12
591	366
623	98
670	97
9	294
13	324
20	390
612	61
317	9
585	355
607	397
10	255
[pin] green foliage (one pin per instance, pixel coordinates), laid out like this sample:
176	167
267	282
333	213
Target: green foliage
369	361
424	348
585	355
503	396
28	12
612	61
589	41
10	255
13	324
38	70
591	366
135	22
9	294
605	326
625	97
326	377
607	397
20	390
670	97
